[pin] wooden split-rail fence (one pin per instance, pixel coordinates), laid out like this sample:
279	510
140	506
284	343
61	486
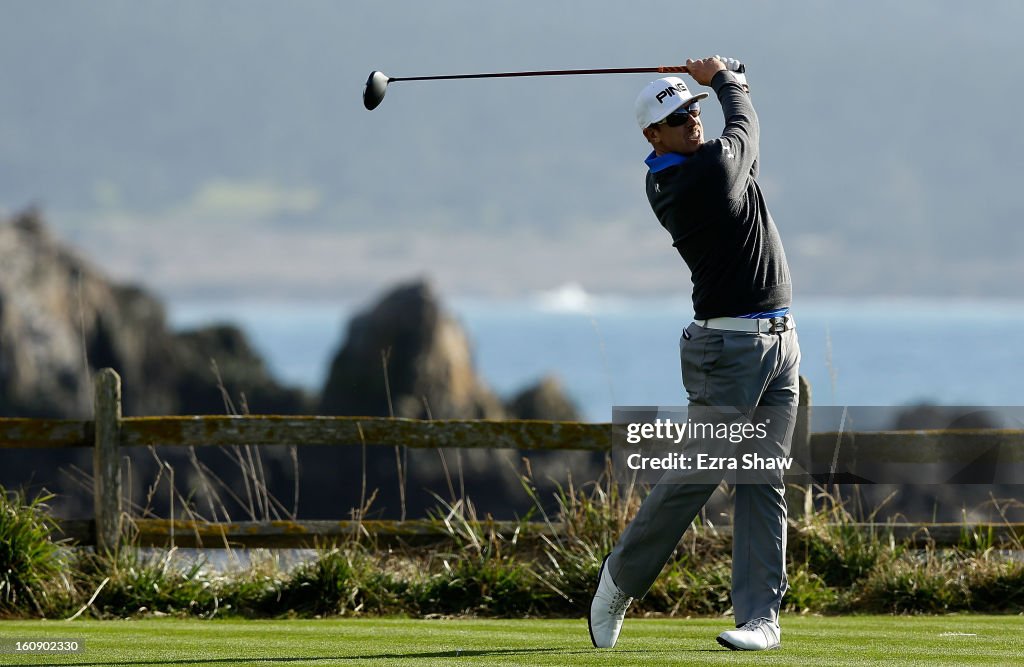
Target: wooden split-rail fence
109	432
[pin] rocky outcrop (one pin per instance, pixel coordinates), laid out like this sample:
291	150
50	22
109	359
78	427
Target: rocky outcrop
61	319
545	400
407	349
222	373
945	417
408	355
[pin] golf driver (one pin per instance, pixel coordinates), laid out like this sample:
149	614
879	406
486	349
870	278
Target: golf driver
377	83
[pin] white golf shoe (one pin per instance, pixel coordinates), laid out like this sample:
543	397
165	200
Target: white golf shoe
759	634
607	610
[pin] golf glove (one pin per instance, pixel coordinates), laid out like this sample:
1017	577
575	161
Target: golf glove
738	70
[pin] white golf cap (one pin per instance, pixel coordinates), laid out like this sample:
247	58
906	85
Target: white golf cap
660	98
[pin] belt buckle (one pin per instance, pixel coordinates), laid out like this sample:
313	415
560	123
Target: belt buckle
778	324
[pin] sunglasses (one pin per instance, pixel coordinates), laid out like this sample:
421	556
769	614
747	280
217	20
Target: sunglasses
681	116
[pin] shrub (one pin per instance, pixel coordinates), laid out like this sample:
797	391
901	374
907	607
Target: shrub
593	517
809	593
922	584
483	586
131	581
341	581
702	590
996	586
837	550
252	591
834	566
32	565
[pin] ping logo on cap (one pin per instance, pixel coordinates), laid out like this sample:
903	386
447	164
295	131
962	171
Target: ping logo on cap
650	106
671	91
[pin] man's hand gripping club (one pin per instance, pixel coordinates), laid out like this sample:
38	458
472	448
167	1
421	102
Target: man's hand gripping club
705	69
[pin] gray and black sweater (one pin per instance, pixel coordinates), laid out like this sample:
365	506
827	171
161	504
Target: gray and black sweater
713	208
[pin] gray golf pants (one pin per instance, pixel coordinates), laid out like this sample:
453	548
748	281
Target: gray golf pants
734	369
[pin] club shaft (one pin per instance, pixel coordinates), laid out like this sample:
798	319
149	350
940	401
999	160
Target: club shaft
555	72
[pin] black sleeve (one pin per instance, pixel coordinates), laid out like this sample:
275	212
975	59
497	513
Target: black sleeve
737	149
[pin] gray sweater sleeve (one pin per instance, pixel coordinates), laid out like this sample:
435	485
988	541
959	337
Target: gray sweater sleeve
737	149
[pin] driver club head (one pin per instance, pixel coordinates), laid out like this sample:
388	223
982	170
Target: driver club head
376	86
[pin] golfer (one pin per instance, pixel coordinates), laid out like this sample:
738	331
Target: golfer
741	349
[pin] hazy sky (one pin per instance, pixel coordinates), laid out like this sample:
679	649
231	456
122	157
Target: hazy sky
221	147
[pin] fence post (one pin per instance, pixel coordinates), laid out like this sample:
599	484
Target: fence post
106	464
800	450
802	429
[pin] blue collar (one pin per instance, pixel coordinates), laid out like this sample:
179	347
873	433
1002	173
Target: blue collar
658	162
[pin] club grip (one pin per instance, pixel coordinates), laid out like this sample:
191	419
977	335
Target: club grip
681	69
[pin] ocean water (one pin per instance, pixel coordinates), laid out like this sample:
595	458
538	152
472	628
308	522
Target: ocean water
617	351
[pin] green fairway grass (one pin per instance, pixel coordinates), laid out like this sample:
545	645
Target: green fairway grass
808	641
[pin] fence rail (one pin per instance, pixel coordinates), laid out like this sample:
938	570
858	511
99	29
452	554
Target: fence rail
110	431
311	534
